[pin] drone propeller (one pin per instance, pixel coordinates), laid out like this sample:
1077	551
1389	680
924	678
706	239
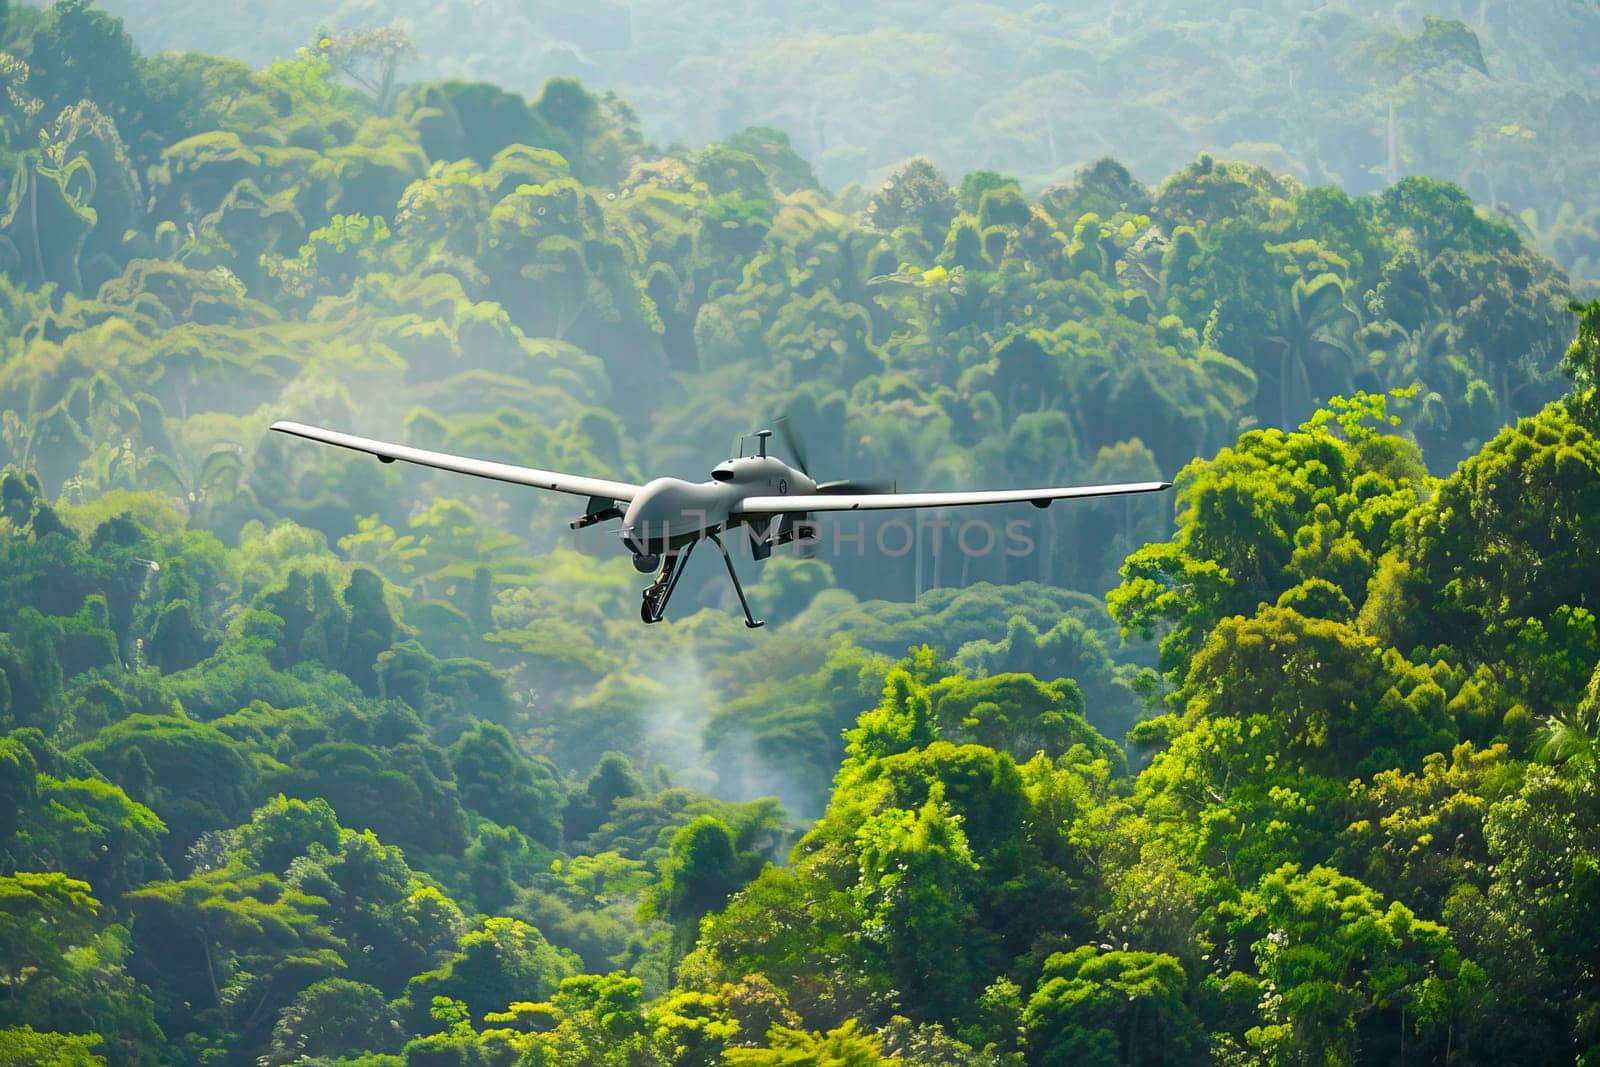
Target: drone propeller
842	486
791	441
846	486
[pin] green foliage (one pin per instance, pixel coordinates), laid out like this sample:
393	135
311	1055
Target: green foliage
1342	962
23	1046
497	781
331	1018
191	774
1519	595
283	829
505	960
1582	365
307	756
1243	537
703	866
1112	1007
42	915
843	1047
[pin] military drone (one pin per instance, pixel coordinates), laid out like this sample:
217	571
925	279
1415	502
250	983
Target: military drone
665	518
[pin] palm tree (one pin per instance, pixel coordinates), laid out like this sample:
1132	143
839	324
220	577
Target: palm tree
1313	335
1574	733
199	487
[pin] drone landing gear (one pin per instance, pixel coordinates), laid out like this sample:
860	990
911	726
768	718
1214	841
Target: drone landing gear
656	595
658	592
749	620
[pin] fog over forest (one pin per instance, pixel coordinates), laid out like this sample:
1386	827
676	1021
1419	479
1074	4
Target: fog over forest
1498	96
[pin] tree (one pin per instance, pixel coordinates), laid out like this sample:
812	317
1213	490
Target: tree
613	778
602	1022
918	197
89	829
1582	365
81	53
1336	704
703	866
1351	973
41	917
25	1047
598	135
1499	563
199	777
902	721
230	940
404	792
1109	1008
842	1047
1308	339
330	1018
372	627
496	780
916	887
375	899
505	960
282	830
1018	714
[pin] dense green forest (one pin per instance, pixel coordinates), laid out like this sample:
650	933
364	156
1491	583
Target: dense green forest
307	759
1496	95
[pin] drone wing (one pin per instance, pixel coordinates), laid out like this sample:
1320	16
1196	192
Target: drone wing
600	488
1039	498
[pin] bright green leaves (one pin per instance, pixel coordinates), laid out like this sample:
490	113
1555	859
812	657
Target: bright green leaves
24	1047
933	860
191	774
283	829
41	916
332	257
1164	589
1018	714
236	943
402	923
1335	703
94	832
903	720
1094	1007
1501	563
1275	511
1336	957
845	1046
505	960
1415	835
917	887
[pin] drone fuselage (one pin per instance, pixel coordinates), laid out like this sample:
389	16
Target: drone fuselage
669	513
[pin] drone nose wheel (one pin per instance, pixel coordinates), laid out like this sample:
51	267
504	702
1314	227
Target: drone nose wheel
646	562
658	592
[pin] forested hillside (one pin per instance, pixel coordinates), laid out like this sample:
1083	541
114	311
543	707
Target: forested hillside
1498	96
311	759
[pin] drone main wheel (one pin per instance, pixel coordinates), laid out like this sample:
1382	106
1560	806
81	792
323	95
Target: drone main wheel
647	610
